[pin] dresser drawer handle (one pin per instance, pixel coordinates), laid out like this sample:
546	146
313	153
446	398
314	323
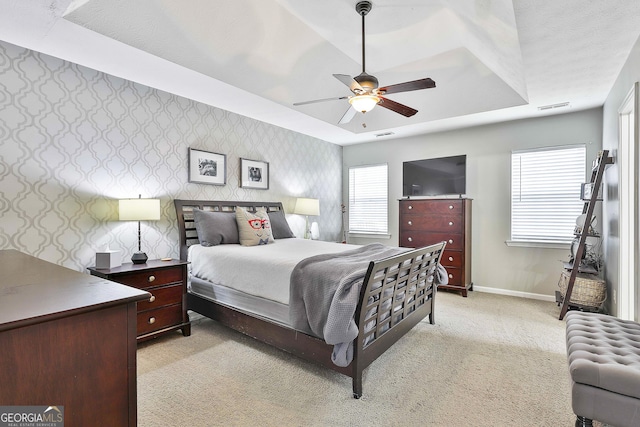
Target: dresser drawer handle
152	320
450	241
450	222
152	299
450	206
410	222
450	258
410	239
151	278
410	207
450	276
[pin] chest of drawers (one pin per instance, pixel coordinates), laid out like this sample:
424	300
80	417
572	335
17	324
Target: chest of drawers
165	310
427	221
67	339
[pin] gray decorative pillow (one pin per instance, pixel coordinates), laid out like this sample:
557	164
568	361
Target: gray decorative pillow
215	228
280	226
255	229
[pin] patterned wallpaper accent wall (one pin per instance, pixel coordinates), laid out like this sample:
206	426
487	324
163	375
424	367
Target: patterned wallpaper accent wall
74	140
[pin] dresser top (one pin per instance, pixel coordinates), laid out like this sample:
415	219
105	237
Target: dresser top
34	291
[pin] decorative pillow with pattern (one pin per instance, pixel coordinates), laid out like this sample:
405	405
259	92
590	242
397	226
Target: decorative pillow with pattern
254	229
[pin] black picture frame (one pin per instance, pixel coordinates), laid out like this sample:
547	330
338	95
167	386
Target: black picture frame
254	174
206	167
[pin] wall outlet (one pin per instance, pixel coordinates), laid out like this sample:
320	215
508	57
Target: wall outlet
615	297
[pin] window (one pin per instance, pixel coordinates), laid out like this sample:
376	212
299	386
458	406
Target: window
368	199
545	193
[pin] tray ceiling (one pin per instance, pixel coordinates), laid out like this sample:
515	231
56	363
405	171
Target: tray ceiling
492	60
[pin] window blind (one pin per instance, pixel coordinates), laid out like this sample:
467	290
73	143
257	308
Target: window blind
368	199
545	193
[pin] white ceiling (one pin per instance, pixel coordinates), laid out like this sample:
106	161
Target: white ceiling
492	60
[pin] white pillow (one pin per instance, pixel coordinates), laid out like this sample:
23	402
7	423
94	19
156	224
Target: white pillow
254	229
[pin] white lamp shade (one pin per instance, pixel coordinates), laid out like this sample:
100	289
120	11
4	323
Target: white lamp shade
139	209
305	206
364	103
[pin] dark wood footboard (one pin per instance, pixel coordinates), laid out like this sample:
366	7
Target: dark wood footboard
397	293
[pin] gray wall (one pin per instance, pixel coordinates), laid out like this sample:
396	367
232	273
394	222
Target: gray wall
629	75
74	140
522	271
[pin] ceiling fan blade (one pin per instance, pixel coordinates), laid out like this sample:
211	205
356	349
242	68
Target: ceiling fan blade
347	116
320	100
407	86
396	107
348	80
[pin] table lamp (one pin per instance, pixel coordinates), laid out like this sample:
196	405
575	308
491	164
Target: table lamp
139	210
306	206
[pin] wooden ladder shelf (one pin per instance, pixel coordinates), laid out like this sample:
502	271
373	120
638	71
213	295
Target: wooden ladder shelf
597	172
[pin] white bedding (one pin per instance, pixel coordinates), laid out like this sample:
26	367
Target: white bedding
263	270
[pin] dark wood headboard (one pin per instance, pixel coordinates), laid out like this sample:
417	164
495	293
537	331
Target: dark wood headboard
187	228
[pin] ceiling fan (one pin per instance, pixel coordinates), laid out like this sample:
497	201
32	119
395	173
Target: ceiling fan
366	93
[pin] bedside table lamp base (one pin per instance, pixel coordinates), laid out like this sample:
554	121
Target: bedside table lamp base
305	206
139	258
139	210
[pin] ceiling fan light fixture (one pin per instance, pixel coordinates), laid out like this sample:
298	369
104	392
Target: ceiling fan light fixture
364	87
364	103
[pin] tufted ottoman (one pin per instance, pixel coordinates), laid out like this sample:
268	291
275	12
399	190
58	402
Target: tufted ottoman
604	363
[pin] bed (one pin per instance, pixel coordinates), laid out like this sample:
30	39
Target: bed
397	292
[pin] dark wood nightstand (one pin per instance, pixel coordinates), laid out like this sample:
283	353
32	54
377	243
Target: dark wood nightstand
166	309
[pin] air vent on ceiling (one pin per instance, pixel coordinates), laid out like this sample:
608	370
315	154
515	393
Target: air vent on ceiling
384	134
553	106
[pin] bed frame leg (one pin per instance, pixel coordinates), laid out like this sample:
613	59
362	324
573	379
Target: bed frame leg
432	314
357	385
583	422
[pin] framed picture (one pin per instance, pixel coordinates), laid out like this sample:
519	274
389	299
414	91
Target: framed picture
207	168
254	174
586	191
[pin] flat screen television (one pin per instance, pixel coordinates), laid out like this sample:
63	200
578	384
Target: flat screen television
443	176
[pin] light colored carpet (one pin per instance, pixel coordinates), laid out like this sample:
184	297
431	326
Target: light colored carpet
489	360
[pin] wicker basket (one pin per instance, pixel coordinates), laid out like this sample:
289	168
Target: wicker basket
588	289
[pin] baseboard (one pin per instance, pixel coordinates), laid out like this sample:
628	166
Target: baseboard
518	294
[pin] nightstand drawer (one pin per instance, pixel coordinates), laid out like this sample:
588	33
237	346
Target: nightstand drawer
166	295
147	279
153	320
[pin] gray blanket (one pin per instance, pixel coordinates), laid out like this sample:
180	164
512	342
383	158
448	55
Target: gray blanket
324	294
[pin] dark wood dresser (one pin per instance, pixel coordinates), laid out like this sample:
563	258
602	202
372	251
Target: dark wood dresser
67	339
424	222
166	308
